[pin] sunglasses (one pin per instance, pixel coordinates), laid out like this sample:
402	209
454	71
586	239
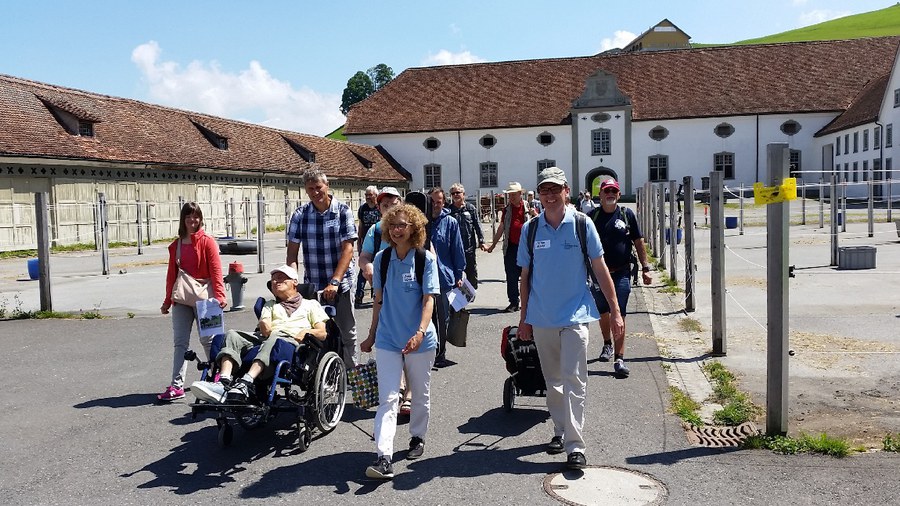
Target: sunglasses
456	193
610	190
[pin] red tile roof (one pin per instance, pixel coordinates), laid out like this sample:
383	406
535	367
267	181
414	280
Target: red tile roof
137	132
864	109
718	81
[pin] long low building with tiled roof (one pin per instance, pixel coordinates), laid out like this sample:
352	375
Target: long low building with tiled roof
638	116
75	144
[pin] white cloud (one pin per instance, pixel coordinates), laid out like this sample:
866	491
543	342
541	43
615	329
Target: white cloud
444	57
251	95
619	40
821	15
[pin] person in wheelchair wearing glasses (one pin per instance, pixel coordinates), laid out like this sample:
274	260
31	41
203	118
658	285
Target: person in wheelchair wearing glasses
289	317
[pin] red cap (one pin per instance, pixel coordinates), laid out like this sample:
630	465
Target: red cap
236	267
609	183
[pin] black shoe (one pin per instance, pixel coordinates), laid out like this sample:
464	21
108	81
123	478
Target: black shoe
239	392
416	448
381	469
441	362
555	445
621	369
512	308
576	460
358	303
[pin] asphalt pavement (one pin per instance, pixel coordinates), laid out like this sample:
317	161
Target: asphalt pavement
80	425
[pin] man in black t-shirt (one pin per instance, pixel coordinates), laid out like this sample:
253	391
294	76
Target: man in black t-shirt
619	232
368	215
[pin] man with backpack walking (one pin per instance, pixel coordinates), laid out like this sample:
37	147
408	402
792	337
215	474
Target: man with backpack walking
619	232
561	250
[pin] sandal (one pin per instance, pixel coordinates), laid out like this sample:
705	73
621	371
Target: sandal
405	407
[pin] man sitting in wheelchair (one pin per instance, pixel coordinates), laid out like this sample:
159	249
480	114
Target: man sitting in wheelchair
289	317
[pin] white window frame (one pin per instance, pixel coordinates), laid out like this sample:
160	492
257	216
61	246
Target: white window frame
796	161
486	172
724	162
432	175
653	164
599	145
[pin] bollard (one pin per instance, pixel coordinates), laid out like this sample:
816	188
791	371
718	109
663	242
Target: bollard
236	282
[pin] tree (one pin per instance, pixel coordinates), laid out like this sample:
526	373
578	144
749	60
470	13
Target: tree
363	84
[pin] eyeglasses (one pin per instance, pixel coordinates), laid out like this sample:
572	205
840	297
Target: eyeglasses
456	193
398	226
610	190
548	190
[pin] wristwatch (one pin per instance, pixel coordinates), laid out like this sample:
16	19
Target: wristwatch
334	282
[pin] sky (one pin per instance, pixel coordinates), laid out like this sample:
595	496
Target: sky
285	63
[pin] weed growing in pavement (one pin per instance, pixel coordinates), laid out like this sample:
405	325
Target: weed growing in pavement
685	407
671	284
689	324
130	314
787	445
891	443
737	406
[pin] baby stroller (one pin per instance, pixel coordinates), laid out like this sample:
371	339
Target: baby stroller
524	367
310	383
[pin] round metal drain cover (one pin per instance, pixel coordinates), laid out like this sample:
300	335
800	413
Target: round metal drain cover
605	485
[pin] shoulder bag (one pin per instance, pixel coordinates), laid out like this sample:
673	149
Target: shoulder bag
187	289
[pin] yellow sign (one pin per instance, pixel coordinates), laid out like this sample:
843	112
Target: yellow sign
775	194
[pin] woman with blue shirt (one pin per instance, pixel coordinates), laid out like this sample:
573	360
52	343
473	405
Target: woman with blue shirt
402	337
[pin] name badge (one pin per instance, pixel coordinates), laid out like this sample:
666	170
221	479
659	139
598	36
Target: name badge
541	244
332	223
408	277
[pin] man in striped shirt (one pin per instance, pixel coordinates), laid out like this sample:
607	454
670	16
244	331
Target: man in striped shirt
325	227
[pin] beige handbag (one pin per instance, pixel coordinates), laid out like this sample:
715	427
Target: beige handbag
187	290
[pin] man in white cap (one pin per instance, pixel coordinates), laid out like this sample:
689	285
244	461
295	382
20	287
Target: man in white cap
557	306
289	318
513	216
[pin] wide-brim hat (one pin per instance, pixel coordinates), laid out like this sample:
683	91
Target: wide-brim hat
514	187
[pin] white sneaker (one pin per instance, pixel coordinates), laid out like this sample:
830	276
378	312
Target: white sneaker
208	391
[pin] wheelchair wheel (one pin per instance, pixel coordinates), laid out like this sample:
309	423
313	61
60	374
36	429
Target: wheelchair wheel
330	391
226	434
509	394
303	437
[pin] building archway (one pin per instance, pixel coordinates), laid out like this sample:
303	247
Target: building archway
596	176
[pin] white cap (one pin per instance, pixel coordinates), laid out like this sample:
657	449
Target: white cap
288	271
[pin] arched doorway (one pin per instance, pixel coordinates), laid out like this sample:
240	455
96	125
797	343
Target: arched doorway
596	176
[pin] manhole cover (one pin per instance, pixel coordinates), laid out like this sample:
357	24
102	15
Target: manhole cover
604	485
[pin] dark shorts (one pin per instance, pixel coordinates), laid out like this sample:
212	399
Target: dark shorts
622	282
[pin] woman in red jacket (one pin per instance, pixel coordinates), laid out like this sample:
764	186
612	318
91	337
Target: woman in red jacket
200	259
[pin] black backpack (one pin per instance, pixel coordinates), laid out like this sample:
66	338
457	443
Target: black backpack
386	260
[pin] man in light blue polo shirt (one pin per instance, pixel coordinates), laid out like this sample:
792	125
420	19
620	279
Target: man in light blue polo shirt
557	306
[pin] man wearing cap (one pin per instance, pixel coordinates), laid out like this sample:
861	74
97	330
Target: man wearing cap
557	306
533	203
619	231
289	318
514	216
373	243
368	215
325	227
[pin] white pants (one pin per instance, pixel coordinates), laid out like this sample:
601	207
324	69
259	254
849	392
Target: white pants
182	325
418	379
563	354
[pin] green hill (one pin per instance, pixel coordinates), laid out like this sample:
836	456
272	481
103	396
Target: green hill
337	134
868	24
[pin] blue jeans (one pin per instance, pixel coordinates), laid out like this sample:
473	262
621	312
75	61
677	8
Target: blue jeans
513	271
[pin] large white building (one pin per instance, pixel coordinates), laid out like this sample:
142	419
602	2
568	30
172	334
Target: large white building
644	116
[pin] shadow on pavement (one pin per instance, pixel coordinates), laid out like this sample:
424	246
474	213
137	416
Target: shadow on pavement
122	401
674	457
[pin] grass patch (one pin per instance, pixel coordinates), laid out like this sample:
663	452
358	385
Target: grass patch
786	445
82	246
689	324
16	313
891	443
671	286
685	407
737	406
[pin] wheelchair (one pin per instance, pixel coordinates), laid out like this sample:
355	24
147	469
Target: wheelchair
309	383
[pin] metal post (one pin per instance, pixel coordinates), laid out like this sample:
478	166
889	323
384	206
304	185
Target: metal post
833	201
689	282
232	232
661	223
821	203
140	226
104	235
741	211
717	262
890	197
261	231
150	207
493	216
42	223
246	206
803	204
844	205
95	210
778	253
673	233
871	187
652	216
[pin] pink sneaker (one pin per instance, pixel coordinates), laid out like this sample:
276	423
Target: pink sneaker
171	394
